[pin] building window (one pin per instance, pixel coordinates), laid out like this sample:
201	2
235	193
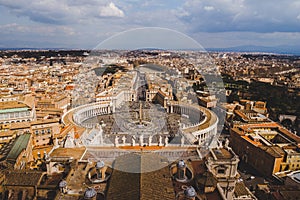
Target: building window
43	132
36	132
221	171
48	130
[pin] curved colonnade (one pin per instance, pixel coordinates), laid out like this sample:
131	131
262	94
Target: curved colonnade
203	128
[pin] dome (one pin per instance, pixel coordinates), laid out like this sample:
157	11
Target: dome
181	164
99	164
190	192
62	184
90	193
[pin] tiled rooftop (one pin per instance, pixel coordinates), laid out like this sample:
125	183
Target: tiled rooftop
240	189
19	145
23	178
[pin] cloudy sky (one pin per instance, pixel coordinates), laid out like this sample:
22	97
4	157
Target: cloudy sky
212	23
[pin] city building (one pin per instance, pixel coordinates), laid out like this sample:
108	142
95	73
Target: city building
99	129
293	179
61	101
22	184
208	102
223	163
267	147
44	131
21	152
148	175
15	111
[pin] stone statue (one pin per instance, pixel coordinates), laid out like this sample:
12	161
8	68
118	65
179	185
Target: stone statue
220	146
150	140
39	154
117	141
46	156
140	114
141	140
182	141
69	141
226	143
133	141
124	139
160	141
56	142
166	141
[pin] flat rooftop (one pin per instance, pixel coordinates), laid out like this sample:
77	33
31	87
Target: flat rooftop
222	153
76	153
13	106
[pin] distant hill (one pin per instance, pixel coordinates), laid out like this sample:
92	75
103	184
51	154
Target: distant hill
30	48
283	49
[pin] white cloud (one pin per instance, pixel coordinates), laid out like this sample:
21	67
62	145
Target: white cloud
37	29
241	15
111	10
62	11
217	22
209	8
